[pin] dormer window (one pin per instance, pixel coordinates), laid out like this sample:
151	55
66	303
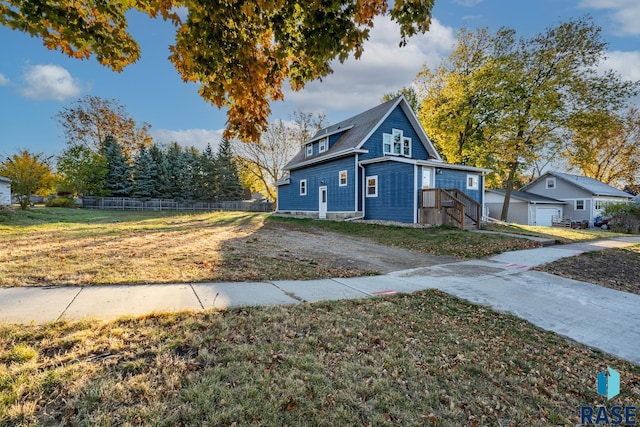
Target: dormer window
309	149
396	144
322	145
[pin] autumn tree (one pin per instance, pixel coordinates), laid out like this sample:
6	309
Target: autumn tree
91	119
263	163
605	145
240	54
501	100
29	173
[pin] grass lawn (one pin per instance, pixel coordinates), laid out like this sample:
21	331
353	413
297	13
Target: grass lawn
424	359
560	234
58	246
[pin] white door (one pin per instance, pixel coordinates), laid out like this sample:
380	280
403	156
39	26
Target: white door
427	177
545	215
322	203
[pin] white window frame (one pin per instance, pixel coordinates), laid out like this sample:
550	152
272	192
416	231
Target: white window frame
375	186
322	145
406	146
340	176
303	187
309	150
473	182
551	181
584	205
393	144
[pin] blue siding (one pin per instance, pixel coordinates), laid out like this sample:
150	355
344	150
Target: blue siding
339	199
334	138
396	195
396	120
451	178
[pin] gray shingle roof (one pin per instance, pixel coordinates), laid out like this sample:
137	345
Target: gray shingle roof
530	197
359	127
594	186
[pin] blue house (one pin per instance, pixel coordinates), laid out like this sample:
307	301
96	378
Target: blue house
380	165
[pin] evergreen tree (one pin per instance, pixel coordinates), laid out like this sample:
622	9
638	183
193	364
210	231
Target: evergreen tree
159	156
229	185
207	178
118	182
173	164
145	174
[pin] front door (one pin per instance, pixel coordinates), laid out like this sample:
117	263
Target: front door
322	209
427	177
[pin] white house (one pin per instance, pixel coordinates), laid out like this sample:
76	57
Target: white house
5	191
524	208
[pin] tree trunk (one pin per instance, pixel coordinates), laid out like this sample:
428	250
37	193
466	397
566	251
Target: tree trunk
513	167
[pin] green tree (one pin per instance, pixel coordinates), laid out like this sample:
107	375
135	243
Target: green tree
82	171
89	120
206	179
29	173
145	174
239	53
409	94
229	185
118	181
162	181
501	100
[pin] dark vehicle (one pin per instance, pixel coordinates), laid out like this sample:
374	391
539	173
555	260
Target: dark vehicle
602	222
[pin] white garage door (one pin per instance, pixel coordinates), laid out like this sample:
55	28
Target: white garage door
544	215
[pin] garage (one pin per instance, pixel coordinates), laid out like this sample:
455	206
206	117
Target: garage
544	215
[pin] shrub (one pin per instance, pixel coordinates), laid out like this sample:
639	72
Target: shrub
60	202
625	218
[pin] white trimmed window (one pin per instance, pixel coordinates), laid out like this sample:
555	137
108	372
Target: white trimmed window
579	205
342	175
303	187
309	150
396	144
550	183
473	182
322	145
372	186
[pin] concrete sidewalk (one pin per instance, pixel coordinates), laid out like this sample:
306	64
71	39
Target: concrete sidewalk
593	315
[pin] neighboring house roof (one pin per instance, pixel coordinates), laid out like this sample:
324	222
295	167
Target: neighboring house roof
530	197
593	186
357	130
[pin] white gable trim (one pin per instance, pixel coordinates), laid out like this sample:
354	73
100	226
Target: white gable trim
415	123
430	163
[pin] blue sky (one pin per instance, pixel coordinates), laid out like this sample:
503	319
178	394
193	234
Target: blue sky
36	83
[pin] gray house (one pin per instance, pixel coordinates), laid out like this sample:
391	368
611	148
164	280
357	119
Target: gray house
524	208
5	191
585	198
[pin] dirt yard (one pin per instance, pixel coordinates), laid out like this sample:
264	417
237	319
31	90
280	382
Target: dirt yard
613	268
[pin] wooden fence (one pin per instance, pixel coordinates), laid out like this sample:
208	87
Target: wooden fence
129	203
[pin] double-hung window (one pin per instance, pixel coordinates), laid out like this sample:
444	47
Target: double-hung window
309	151
322	145
372	186
303	187
342	178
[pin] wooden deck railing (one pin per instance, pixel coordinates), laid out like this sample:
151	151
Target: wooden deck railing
473	209
458	206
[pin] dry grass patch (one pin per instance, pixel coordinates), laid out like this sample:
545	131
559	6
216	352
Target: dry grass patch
75	247
560	234
424	359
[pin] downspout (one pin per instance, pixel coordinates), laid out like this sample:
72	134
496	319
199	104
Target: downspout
362	196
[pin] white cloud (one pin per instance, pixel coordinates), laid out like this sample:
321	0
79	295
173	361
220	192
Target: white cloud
468	3
624	13
384	67
50	82
3	80
627	64
198	138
